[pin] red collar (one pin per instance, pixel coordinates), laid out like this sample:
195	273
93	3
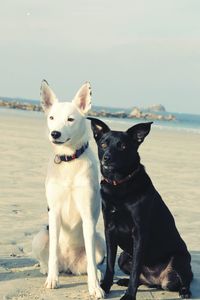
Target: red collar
117	182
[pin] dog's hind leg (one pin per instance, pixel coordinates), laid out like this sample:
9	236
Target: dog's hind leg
123	282
125	265
40	249
78	259
178	275
181	264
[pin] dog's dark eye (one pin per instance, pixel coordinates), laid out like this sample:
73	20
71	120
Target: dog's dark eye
104	145
51	117
123	146
70	119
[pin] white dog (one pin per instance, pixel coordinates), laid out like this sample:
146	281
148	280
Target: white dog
71	244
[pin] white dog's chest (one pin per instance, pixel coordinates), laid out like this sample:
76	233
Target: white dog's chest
62	183
70	216
61	201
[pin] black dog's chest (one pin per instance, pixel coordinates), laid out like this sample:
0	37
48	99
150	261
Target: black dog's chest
119	220
120	217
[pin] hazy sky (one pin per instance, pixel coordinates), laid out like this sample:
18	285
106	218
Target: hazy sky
133	52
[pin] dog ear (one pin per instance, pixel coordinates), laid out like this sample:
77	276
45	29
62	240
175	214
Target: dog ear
83	98
140	131
98	128
48	98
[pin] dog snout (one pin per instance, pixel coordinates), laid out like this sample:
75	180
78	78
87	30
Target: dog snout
106	157
55	134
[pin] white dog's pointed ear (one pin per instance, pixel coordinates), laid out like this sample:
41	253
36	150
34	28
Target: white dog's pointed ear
48	98
83	98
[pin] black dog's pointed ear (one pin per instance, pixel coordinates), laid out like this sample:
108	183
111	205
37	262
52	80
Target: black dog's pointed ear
140	131
98	127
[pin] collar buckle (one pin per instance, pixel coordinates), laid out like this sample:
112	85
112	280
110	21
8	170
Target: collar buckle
57	159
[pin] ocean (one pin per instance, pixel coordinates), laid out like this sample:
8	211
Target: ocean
183	122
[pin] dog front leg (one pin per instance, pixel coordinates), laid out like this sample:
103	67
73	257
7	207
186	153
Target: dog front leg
88	207
111	247
136	265
89	233
54	230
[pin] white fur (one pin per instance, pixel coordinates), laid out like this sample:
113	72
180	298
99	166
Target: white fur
72	192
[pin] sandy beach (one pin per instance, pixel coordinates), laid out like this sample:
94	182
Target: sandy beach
171	158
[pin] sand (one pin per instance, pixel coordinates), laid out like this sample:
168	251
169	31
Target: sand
171	158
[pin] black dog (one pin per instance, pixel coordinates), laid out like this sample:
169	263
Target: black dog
136	218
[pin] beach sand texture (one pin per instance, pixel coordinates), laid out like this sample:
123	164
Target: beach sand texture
171	159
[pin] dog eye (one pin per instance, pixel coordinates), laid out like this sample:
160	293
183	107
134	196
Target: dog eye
123	146
104	145
70	119
51	117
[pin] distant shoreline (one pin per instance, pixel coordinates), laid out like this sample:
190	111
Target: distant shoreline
179	125
136	113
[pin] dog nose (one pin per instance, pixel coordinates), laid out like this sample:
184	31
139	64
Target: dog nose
106	157
55	134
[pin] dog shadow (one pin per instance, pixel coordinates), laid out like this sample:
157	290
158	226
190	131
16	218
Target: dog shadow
23	267
18	268
195	285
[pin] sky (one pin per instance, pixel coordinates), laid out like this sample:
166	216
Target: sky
134	52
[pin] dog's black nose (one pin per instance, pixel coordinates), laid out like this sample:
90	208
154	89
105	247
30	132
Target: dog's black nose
106	157
55	134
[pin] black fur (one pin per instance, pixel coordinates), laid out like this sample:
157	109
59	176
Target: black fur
136	218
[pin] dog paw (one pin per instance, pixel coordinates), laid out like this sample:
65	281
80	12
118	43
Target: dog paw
185	293
105	286
123	282
127	297
52	282
96	292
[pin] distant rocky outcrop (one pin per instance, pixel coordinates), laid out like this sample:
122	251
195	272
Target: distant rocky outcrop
135	113
139	114
19	105
106	114
156	108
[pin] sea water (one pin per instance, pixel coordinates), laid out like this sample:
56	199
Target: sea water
183	122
